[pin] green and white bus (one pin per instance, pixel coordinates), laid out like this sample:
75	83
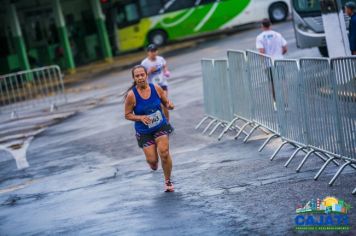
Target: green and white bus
140	22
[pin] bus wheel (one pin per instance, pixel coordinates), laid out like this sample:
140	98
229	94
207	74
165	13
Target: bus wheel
324	51
278	12
158	37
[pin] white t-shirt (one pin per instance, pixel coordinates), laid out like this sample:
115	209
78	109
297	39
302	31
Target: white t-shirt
156	77
272	42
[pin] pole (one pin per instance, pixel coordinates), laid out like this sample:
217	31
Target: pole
335	28
102	32
18	38
63	35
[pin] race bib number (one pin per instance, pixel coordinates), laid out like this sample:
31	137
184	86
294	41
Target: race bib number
156	119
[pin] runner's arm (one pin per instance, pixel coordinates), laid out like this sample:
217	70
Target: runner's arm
166	71
284	47
167	103
259	45
129	114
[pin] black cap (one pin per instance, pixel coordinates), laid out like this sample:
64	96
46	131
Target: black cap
152	47
351	5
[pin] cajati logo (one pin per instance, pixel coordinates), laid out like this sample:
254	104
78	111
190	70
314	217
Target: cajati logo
327	214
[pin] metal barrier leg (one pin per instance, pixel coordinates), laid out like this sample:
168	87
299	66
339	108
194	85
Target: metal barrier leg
327	158
227	128
53	107
320	156
251	132
293	155
210	124
267	141
201	122
304	160
238	128
323	168
241	130
215	128
14	115
267	132
339	172
278	149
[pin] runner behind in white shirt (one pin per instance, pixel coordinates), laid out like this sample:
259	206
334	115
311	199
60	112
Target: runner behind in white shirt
270	42
157	70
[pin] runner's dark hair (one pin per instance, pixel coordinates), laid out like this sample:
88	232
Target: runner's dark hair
134	83
266	23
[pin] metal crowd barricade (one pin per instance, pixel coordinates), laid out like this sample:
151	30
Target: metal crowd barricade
216	94
260	69
223	93
241	100
32	89
292	111
208	77
313	108
290	105
344	70
344	74
322	119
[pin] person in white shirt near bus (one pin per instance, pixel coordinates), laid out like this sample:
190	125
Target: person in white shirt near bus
271	43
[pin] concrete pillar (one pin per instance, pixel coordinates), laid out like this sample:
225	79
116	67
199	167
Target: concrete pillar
63	36
17	38
335	28
102	32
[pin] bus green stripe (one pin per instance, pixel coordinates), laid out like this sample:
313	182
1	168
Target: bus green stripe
225	12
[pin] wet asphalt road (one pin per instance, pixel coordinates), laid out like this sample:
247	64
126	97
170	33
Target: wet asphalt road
88	177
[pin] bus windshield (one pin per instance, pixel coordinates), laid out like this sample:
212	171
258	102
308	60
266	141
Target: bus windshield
311	6
306	6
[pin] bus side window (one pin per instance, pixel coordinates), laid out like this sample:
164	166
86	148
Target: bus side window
132	12
127	15
202	2
150	7
176	5
120	18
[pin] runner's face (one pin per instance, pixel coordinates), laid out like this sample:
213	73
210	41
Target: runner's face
140	77
152	54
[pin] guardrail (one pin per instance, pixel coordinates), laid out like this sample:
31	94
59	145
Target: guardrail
216	107
31	90
309	103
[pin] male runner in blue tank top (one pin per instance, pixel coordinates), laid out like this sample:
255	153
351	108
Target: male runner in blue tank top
143	106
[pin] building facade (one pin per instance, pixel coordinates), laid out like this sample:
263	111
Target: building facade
68	33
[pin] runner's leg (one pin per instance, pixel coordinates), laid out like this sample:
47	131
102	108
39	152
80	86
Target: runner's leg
162	143
151	156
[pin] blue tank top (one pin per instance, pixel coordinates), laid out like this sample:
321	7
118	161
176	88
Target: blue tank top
150	107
